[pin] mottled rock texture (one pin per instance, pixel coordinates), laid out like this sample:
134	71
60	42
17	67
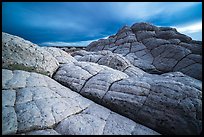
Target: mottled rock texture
155	49
144	80
61	56
170	103
34	104
18	53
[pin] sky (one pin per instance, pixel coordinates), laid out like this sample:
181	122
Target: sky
79	23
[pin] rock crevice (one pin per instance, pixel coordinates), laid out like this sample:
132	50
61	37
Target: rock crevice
144	80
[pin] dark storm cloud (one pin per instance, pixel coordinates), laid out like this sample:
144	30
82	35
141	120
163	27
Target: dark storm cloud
42	22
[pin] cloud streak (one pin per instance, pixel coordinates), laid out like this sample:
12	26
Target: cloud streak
190	28
193	30
60	43
145	10
74	44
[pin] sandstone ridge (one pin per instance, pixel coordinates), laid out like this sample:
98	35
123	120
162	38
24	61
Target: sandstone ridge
144	80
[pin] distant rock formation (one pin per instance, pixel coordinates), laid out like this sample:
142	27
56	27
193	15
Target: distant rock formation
145	80
155	49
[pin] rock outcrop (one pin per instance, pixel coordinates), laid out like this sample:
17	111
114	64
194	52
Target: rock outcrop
145	80
36	104
23	55
155	49
149	99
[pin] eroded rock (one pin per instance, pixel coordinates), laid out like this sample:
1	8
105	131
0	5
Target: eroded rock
149	99
52	109
153	49
23	55
120	73
61	56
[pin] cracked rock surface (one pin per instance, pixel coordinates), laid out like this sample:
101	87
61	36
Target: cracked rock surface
61	56
144	80
18	53
149	99
154	49
34	104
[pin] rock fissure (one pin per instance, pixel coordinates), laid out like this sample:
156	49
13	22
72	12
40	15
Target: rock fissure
180	60
125	81
88	80
110	87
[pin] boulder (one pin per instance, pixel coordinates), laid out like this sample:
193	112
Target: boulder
21	54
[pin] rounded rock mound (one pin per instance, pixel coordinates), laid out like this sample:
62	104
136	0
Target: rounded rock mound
155	49
20	54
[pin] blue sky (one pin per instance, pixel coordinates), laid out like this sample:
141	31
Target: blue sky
79	23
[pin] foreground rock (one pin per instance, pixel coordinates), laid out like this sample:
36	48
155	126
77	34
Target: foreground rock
169	103
18	53
155	49
35	104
